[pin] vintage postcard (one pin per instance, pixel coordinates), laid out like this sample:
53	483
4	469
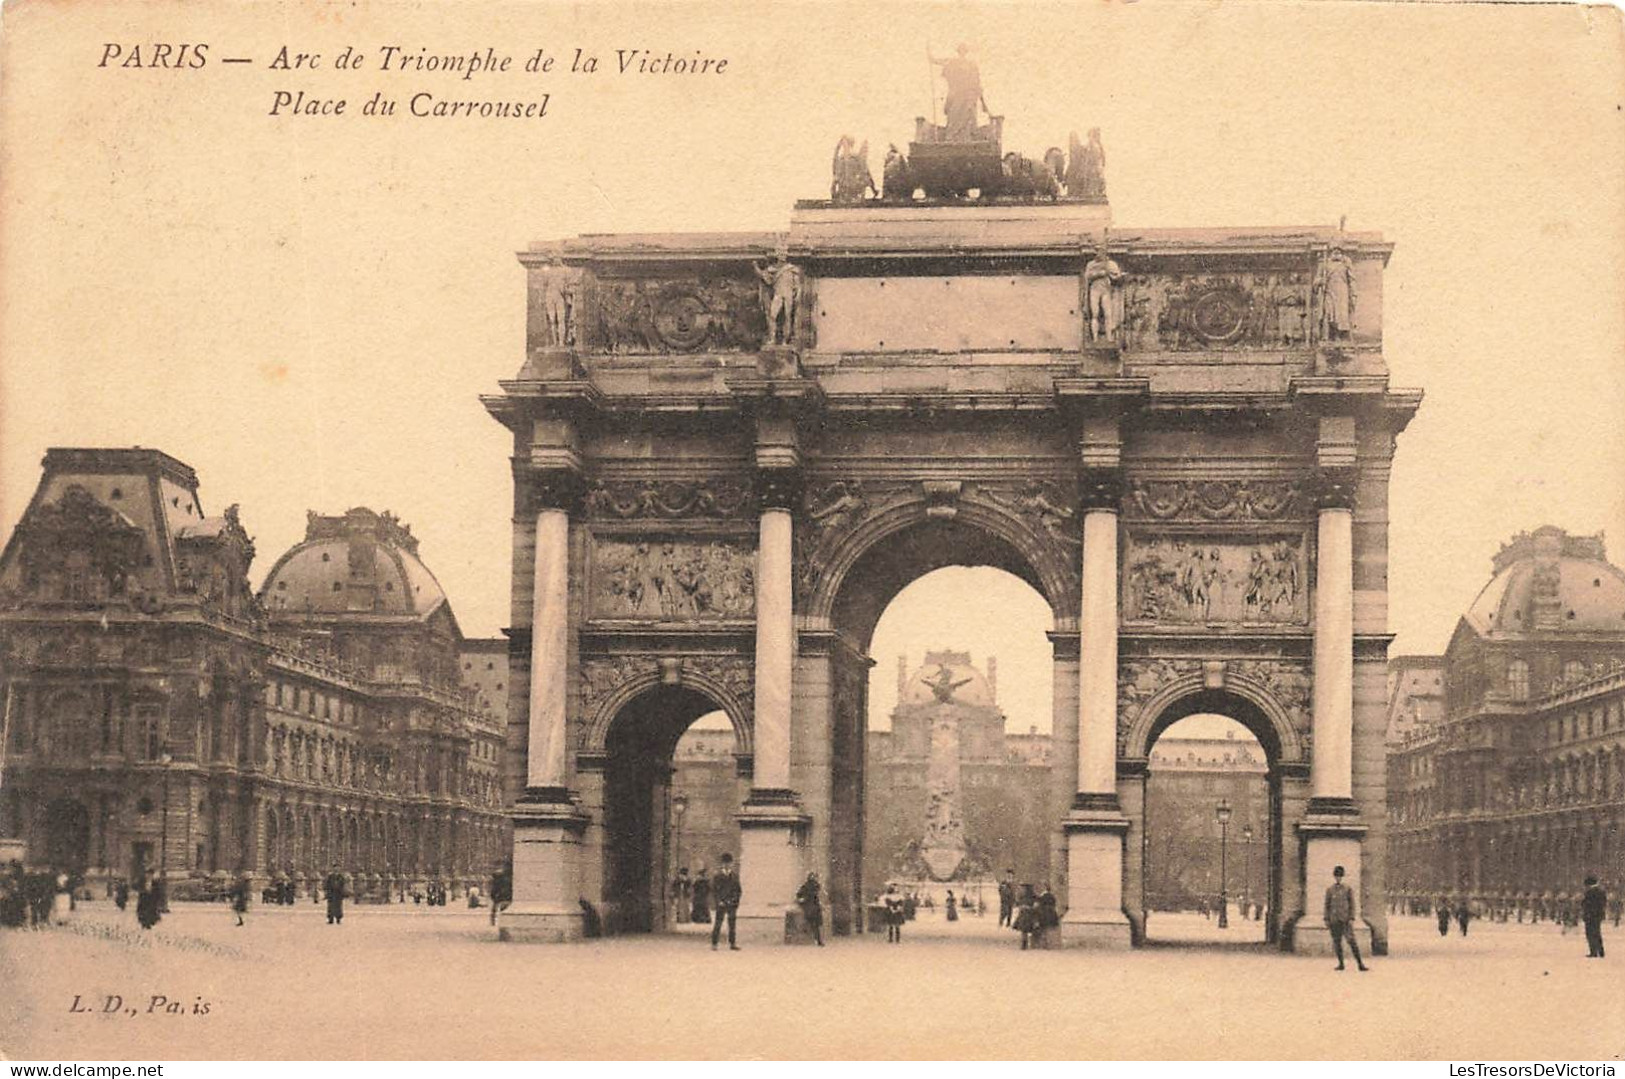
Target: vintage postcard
841	531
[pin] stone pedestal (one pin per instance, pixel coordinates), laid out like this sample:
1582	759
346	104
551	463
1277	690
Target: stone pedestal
1094	854
1330	839
546	904
772	832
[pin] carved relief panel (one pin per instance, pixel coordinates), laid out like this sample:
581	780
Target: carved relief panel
1197	579
673	580
701	313
1252	309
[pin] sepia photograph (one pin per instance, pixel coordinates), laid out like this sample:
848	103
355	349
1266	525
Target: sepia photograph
853	531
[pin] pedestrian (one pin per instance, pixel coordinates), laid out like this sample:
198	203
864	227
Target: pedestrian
1464	913
501	889
812	909
334	886
148	903
61	899
702	898
951	907
682	896
239	899
911	906
727	890
1049	914
893	899
1340	919
1442	912
1026	922
1007	897
121	894
1593	908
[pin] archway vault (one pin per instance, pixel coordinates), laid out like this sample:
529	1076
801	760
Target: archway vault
1241	697
1027	534
725	688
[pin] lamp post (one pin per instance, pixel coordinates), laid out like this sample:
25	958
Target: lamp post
1247	881
163	840
679	806
1222	813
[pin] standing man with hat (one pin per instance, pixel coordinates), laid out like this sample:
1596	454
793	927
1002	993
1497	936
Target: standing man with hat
1340	919
727	891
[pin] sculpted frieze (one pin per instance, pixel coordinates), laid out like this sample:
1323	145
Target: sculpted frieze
736	674
1234	310
601	676
1213	500
1288	681
628	500
691	314
1138	680
673	580
1202	579
1046	506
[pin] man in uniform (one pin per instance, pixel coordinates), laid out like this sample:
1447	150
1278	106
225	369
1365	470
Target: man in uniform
1340	919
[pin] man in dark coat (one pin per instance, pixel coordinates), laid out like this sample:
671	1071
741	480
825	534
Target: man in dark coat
812	907
1340	919
727	891
1007	897
1593	909
334	886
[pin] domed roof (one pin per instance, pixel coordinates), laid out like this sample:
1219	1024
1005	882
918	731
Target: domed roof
946	675
1550	582
359	563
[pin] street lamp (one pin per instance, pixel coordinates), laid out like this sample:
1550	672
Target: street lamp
163	840
1247	881
1222	813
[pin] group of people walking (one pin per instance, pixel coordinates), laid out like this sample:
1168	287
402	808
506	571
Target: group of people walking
1028	911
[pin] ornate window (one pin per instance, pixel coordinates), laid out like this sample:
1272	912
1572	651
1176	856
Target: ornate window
149	729
1518	680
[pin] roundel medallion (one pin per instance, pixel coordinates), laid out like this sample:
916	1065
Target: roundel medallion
682	320
1219	317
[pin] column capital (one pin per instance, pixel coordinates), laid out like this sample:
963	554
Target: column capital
778	488
551	489
1333	488
1100	489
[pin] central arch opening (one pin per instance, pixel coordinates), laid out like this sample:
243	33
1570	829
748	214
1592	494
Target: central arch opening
1210	832
946	773
664	810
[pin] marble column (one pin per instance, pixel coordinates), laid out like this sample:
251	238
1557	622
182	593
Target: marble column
545	778
1096	826
547	823
772	826
1331	829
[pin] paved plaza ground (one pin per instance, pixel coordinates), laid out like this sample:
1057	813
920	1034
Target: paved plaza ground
409	982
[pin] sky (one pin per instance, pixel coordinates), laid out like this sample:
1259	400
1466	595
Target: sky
306	309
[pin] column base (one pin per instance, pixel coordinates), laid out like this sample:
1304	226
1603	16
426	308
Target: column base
1311	937
772	833
540	925
546	894
1094	853
1101	929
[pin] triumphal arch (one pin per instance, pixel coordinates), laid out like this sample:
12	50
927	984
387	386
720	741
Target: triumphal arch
731	450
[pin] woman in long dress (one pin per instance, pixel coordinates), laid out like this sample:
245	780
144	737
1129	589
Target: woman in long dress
702	898
61	900
146	904
952	908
